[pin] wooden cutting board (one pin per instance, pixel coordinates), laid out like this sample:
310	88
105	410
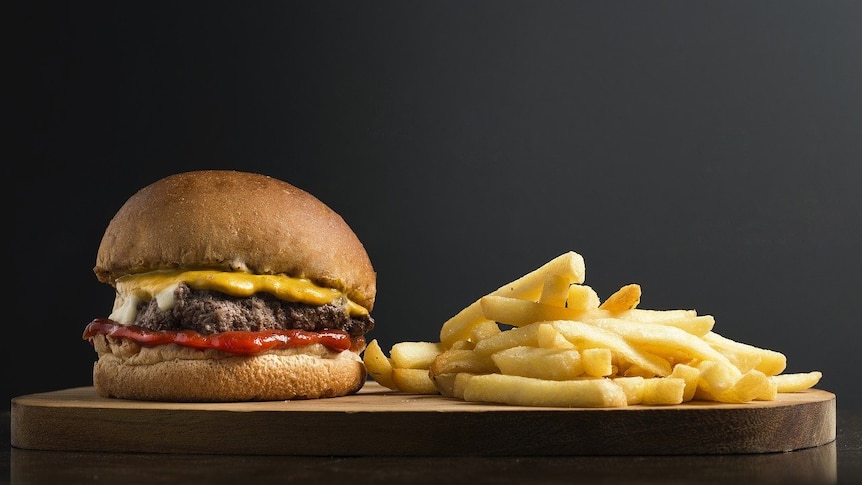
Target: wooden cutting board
379	422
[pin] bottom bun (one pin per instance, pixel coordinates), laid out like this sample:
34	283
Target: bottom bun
223	377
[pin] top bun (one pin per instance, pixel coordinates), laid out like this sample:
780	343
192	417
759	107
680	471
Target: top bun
235	221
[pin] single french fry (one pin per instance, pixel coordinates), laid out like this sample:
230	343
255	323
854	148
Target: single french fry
797	381
465	344
552	364
697	326
461	380
414	355
455	361
527	391
527	335
555	291
548	337
597	362
484	330
378	365
445	384
623	299
414	381
747	357
633	387
663	391
635	370
771	391
582	297
655	316
690	375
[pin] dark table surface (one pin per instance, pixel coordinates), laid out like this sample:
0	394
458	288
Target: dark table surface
838	462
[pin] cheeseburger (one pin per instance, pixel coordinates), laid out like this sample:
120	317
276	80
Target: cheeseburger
231	286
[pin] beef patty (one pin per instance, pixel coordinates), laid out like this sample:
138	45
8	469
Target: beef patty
209	312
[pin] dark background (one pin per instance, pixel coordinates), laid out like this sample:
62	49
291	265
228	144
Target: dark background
709	151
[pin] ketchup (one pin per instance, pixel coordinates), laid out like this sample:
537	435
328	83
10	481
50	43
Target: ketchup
235	342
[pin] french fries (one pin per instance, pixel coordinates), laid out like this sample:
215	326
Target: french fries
547	339
529	287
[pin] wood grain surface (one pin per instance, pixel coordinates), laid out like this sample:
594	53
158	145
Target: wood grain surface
379	422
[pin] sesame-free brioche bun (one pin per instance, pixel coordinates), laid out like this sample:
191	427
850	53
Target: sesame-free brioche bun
235	221
175	374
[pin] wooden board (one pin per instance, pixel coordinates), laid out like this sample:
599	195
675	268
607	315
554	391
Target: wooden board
378	422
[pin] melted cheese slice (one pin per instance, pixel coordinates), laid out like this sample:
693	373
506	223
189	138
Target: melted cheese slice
160	285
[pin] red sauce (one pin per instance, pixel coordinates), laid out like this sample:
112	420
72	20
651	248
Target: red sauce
245	343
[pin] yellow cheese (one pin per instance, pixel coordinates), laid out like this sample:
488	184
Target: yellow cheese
160	284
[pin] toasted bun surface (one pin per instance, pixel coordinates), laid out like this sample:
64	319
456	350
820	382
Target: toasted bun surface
226	378
235	221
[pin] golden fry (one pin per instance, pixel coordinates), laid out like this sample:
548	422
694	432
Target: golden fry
555	291
797	382
633	387
514	337
597	362
455	361
623	299
547	337
690	375
663	391
445	384
414	381
582	297
655	316
551	364
747	357
527	391
379	366
483	331
414	355
697	326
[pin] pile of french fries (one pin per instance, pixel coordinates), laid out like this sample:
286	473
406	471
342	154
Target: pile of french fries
547	339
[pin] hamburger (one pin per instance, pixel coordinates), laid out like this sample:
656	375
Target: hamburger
231	286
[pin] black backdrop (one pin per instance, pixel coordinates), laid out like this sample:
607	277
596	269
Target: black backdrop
709	151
